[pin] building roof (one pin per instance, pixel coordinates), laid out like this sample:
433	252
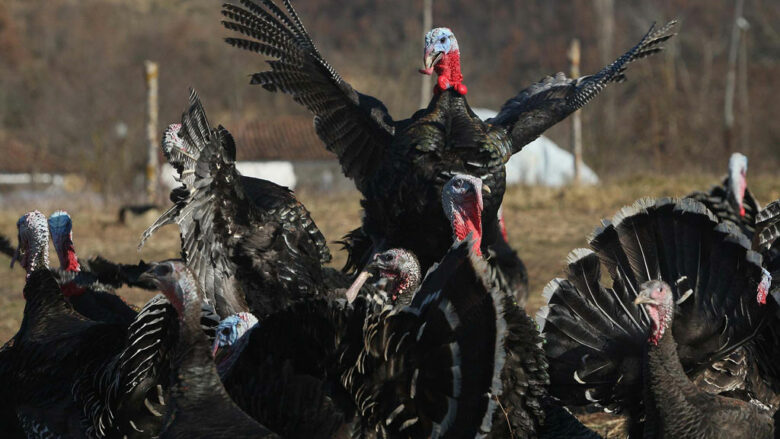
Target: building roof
284	138
18	158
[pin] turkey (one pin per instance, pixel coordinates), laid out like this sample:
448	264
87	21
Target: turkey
596	336
67	375
250	243
761	370
676	408
89	296
400	167
97	272
525	410
751	372
731	200
429	368
198	406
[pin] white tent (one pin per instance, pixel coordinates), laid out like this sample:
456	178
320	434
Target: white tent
541	162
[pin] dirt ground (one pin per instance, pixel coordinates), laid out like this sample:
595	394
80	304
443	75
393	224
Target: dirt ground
543	225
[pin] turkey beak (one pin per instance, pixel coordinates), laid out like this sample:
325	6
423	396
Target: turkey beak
429	60
485	188
645	300
354	289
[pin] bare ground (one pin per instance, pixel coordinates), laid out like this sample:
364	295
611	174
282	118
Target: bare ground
544	225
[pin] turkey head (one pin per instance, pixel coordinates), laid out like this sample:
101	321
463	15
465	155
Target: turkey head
738	180
656	296
33	249
462	203
441	54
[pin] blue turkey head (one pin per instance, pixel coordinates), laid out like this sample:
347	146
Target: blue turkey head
61	229
439	42
232	328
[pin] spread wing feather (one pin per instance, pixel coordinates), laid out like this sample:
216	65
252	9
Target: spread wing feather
355	126
545	103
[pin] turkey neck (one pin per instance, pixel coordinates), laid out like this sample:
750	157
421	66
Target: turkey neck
67	255
187	300
669	387
449	67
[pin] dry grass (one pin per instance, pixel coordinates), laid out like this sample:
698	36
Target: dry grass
544	225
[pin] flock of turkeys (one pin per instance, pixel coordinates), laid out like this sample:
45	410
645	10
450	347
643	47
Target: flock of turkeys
668	317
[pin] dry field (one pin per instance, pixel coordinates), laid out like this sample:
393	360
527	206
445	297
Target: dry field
543	224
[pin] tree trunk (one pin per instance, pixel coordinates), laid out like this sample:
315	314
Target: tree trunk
744	103
728	108
426	90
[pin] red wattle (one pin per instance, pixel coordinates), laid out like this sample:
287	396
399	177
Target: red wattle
448	69
471	224
741	211
73	261
443	83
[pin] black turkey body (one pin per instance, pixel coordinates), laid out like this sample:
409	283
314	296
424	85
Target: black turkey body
401	166
596	336
397	371
249	241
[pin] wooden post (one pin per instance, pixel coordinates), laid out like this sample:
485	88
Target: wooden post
426	89
576	122
152	136
731	80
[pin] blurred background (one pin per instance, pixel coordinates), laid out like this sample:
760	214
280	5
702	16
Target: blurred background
74	94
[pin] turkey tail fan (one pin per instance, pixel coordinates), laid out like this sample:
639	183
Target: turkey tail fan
433	369
717	200
768	225
766	240
595	334
594	337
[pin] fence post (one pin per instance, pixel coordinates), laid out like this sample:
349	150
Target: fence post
576	122
152	136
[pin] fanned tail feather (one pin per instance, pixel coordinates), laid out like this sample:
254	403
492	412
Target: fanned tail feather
595	334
